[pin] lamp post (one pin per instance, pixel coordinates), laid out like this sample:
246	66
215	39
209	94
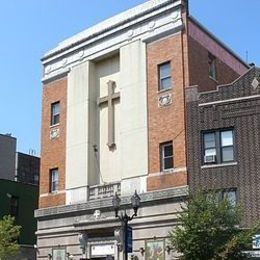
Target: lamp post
123	217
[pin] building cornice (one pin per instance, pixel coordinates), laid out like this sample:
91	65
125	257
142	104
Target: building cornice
148	198
127	17
148	22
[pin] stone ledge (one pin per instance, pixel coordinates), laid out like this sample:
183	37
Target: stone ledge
146	198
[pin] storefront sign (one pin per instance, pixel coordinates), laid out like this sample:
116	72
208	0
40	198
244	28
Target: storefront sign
102	250
256	241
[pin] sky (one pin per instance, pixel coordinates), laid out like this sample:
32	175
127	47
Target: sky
29	28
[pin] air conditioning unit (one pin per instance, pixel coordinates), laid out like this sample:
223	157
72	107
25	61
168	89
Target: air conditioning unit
209	158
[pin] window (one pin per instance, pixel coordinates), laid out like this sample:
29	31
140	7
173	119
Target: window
54	178
166	154
212	66
55	113
230	195
164	71
14	206
218	146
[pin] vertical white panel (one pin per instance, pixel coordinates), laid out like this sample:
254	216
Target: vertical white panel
133	87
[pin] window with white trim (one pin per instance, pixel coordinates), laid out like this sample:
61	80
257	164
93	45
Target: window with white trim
218	146
55	113
164	74
54	179
166	156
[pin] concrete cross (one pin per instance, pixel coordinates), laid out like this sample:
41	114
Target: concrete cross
109	99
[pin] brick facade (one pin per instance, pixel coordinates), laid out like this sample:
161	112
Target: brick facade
187	50
53	150
233	106
166	123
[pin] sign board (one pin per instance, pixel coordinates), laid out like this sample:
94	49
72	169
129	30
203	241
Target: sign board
102	250
129	240
252	254
256	241
59	254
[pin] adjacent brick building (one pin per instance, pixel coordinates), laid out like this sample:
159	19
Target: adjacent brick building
113	120
223	131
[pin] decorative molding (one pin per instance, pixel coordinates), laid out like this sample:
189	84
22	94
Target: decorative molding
165	100
150	198
161	20
139	14
229	100
255	83
54	133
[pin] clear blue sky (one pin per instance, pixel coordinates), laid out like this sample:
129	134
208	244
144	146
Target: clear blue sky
29	28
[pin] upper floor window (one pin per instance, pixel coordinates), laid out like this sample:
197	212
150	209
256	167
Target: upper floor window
54	179
218	146
164	71
166	156
212	66
55	113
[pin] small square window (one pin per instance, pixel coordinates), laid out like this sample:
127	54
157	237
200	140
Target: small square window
166	155
54	180
55	113
218	146
164	73
212	66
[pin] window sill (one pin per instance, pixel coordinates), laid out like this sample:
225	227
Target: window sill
53	126
219	165
164	90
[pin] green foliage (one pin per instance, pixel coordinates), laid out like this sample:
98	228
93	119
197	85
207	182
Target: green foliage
9	233
209	230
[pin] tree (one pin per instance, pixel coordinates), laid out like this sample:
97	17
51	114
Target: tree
209	229
9	233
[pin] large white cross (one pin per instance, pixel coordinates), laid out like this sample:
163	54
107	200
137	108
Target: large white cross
109	99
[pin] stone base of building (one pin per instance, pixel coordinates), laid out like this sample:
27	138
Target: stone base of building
87	231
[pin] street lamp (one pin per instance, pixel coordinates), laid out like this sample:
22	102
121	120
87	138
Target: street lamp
123	217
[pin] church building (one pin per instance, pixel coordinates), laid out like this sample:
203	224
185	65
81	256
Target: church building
113	122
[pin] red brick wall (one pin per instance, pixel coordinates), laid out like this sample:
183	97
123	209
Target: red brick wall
198	64
53	150
166	123
200	44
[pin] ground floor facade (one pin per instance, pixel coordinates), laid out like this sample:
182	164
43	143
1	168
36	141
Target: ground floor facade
88	230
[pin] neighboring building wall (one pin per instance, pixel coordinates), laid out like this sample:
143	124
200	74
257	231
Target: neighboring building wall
200	44
53	143
27	168
234	106
27	198
7	157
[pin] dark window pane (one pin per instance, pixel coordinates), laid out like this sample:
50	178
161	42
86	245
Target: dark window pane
55	113
209	140
167	150
168	163
165	70
165	83
227	154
